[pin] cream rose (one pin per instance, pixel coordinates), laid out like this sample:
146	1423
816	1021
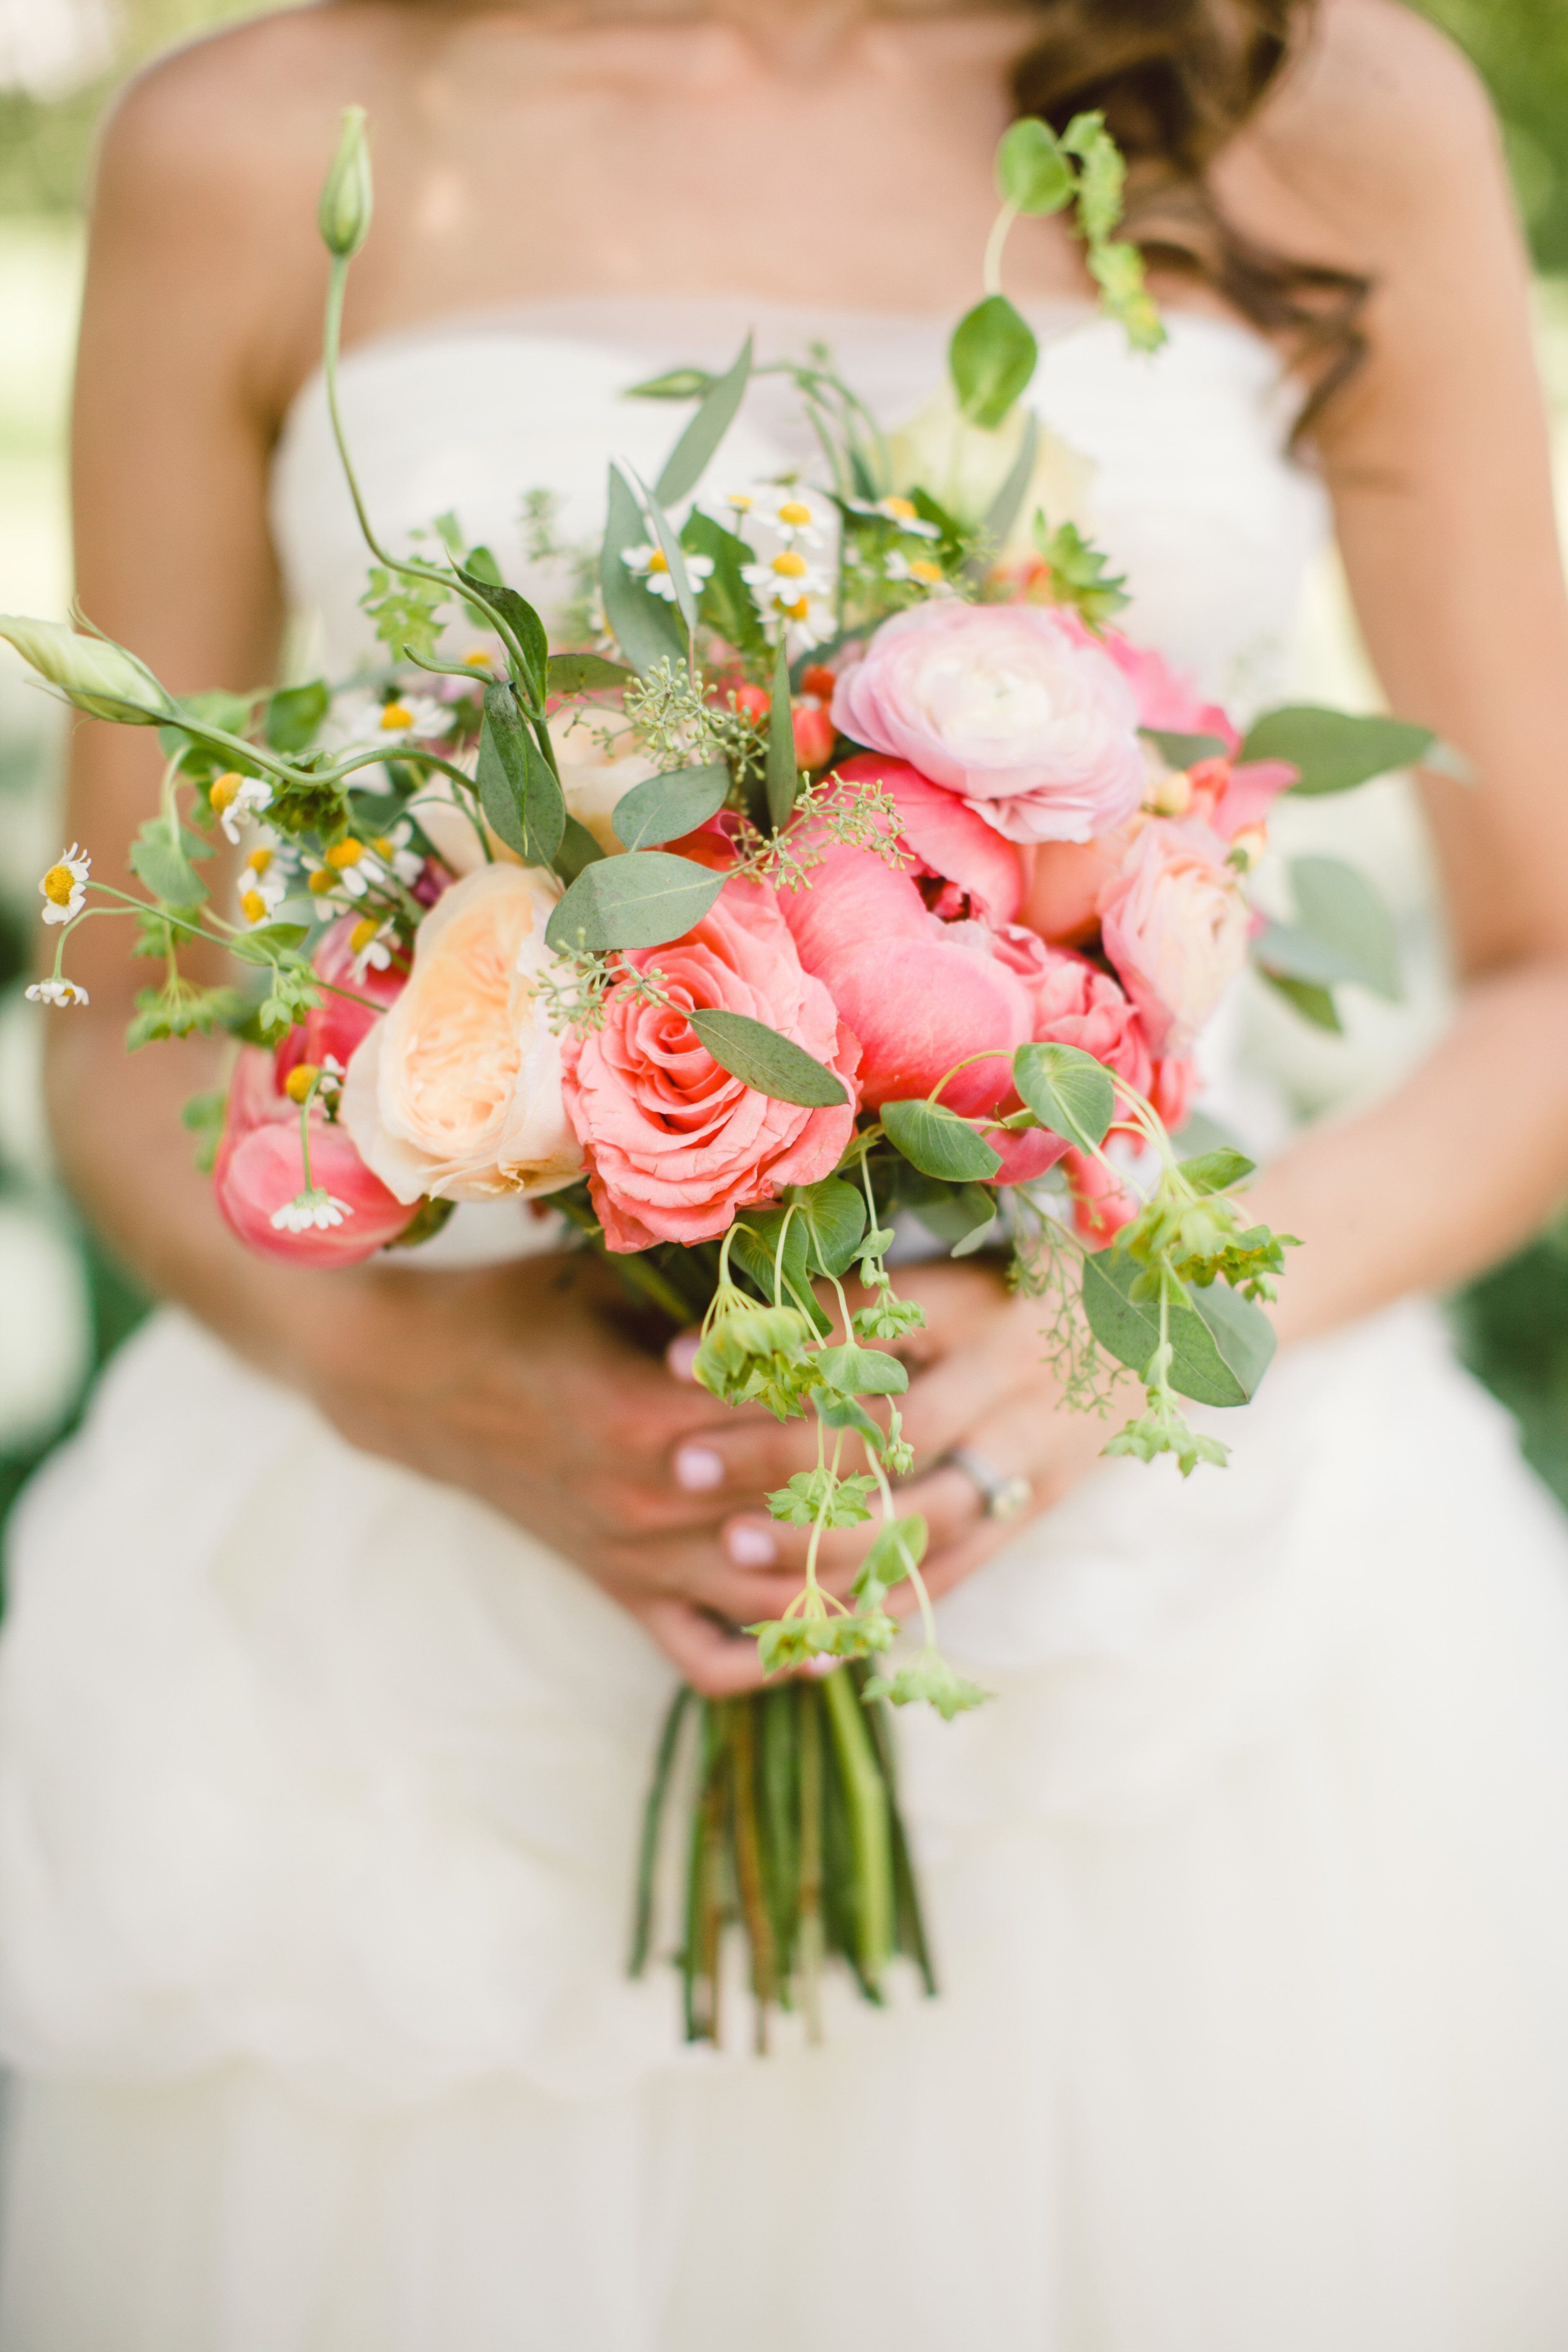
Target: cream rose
457	1090
965	466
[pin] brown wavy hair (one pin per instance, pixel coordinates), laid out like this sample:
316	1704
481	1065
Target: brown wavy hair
1175	79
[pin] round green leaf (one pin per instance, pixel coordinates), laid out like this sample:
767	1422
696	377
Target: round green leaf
991	359
938	1142
643	900
1068	1091
1032	172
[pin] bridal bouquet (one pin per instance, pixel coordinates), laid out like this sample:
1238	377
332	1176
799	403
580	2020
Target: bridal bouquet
846	866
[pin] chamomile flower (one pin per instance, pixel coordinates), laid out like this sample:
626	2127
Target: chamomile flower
64	887
786	583
798	516
56	991
363	718
392	849
262	888
917	569
897	510
371	944
651	566
317	1208
234	797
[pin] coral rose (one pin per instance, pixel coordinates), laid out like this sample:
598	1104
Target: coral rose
1175	924
457	1091
261	1167
676	1145
1011	707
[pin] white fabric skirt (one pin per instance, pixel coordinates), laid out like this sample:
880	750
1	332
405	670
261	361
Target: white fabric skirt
318	1793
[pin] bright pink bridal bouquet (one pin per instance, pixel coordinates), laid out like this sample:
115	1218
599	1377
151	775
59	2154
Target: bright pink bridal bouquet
843	871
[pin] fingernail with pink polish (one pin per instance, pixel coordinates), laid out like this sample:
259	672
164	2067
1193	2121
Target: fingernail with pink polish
699	1469
681	1355
821	1666
750	1546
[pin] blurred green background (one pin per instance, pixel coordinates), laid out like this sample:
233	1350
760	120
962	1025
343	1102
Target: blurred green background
62	1305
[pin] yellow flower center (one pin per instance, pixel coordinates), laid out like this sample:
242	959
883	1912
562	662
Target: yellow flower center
259	860
793	515
796	612
396	714
659	560
927	572
323	880
345	853
789	565
383	847
477	659
252	906
58	885
901	509
222	790
299	1080
362	934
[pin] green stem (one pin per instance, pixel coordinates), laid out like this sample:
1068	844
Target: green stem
653	1815
811	1858
993	244
866	1795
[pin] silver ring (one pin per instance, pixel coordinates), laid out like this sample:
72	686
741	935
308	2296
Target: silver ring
1000	1498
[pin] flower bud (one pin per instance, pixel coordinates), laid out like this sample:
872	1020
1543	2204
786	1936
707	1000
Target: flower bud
345	207
99	677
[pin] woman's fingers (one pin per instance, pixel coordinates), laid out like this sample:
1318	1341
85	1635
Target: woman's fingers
714	1661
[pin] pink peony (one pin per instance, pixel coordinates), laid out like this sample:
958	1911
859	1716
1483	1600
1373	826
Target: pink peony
1073	1004
1175	924
260	1169
338	1023
1011	707
975	871
675	1144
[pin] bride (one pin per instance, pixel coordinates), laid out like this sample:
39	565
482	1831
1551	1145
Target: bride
340	1637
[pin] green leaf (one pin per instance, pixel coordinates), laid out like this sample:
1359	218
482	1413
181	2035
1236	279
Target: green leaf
678	384
1068	1090
1339	907
1080	573
784	766
1217	1358
268	942
1003	512
578	848
834	1215
1032	172
294	716
1313	1003
644	627
670	806
1212	1171
583	674
1183	751
938	1142
519	790
726	602
758	1056
520	617
991	359
1334	751
642	900
165	870
959	1214
896	1543
689	460
862	1371
755	1247
674	554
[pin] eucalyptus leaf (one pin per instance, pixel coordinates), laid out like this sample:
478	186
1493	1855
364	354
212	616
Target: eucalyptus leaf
1313	1003
585	674
1068	1090
1339	907
494	597
862	1371
1212	1171
676	384
991	359
1185	751
578	848
267	941
1240	1330
979	1237
757	1054
294	716
1215	1359
938	1142
519	790
1334	750
674	555
642	900
1032	172
784	764
689	460
666	806
1003	512
644	627
726	601
834	1215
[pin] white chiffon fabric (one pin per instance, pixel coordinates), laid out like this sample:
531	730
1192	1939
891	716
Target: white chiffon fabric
319	1783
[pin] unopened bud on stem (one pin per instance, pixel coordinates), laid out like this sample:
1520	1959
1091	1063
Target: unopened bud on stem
99	678
345	207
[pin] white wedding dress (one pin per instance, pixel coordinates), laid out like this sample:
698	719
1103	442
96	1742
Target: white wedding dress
319	1783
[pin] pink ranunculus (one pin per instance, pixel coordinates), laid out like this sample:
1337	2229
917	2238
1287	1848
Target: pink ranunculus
260	1169
1175	924
1021	714
337	1024
949	842
1167	700
675	1144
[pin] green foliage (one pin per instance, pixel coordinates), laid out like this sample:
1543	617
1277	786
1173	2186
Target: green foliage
759	1057
938	1142
991	359
518	790
689	460
405	612
1082	576
929	1678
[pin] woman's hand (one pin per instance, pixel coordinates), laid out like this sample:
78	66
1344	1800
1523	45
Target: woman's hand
976	1378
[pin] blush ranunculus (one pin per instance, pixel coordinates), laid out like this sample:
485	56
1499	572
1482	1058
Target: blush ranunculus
260	1168
456	1092
1175	924
949	842
1009	706
675	1144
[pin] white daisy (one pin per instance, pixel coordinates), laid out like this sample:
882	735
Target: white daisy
371	944
64	887
895	509
235	797
363	718
56	991
394	851
651	566
262	890
316	1208
796	515
786	583
920	568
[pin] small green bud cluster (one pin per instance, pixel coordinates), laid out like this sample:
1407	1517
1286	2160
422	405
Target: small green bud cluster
756	1355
